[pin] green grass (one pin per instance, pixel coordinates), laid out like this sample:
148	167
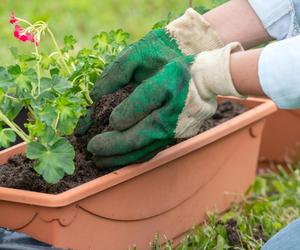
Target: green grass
84	19
272	202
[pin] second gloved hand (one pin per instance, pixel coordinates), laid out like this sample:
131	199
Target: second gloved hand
171	104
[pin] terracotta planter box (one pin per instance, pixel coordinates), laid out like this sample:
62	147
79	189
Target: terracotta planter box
281	137
167	195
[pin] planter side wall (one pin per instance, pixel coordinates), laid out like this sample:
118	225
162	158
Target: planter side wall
168	200
281	137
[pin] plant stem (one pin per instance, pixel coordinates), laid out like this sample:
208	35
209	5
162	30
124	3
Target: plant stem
56	121
77	77
88	98
102	60
85	90
31	112
14	127
72	64
38	70
58	50
191	3
53	54
17	126
24	21
11	97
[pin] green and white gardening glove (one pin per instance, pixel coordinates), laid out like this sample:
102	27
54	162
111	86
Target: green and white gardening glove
171	104
190	34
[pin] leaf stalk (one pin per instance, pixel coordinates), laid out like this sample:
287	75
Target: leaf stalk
58	50
14	127
38	69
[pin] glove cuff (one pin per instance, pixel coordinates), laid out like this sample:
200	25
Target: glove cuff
211	72
193	33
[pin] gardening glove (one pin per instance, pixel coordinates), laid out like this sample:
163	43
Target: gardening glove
171	104
187	35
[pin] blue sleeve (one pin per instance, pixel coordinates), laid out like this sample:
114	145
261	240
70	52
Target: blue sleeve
279	72
279	17
287	238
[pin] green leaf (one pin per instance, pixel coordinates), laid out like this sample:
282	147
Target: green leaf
53	162
46	84
69	43
5	79
14	51
48	136
84	53
260	186
54	71
220	243
23	59
69	113
7	136
60	84
279	186
14	70
36	128
48	115
47	61
67	122
161	24
56	83
201	9
119	36
26	80
2	95
101	40
10	108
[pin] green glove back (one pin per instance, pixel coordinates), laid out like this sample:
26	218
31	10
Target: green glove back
171	104
145	121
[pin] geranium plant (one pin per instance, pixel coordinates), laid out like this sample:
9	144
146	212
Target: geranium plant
54	90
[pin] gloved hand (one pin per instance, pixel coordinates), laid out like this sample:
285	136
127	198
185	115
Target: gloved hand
189	34
171	104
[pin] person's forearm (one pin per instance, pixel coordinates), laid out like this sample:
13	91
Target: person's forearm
244	72
237	21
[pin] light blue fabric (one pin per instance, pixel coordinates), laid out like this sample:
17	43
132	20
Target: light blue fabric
279	72
278	17
279	64
286	239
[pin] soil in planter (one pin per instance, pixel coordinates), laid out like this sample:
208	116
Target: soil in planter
18	172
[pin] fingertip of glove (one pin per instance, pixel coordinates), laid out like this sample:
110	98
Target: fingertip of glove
115	122
100	88
96	93
94	145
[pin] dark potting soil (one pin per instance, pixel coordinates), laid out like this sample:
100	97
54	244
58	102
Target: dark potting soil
233	234
18	172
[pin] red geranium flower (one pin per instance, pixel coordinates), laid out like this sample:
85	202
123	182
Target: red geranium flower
13	19
19	31
24	37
